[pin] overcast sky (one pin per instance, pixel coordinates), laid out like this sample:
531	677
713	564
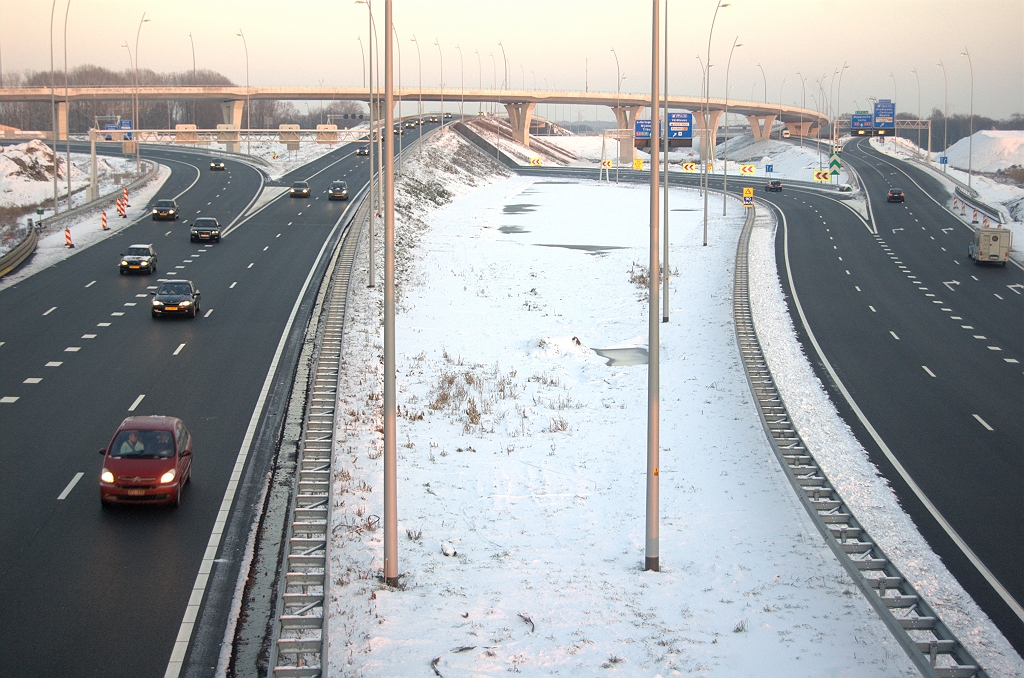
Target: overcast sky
561	44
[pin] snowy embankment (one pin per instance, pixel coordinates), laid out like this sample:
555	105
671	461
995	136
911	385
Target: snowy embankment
788	161
521	469
993	153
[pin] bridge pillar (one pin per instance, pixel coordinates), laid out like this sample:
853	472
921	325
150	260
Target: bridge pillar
761	126
712	123
62	120
625	118
232	112
519	119
800	129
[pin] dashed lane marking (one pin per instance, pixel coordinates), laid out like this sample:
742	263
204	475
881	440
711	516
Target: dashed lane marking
1010	360
994	348
872	309
925	368
208	312
894	335
72	349
997	296
250	265
71	486
91	284
983	423
136	403
178	350
232	285
54	363
50	311
32	380
102	324
88	336
9	399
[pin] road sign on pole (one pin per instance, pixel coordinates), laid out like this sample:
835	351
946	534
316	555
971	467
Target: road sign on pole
748	169
943	160
821	175
834	163
769	168
748	196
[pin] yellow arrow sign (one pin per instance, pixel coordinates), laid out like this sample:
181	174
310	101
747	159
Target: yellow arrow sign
748	192
689	167
821	175
536	162
607	164
638	163
748	169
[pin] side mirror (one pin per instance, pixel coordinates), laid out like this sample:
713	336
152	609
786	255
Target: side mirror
153	293
122	254
103	451
187	453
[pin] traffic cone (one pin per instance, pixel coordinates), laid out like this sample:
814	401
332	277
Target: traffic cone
125	190
974	219
984	223
103	220
67	238
963	209
955	203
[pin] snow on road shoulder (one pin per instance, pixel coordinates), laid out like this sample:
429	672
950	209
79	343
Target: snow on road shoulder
86	230
847	466
521	468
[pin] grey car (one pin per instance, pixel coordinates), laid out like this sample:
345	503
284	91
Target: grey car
205	228
138	258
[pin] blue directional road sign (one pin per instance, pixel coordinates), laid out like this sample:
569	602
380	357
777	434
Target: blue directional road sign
943	160
641	129
680	125
769	168
885	114
861	120
125	124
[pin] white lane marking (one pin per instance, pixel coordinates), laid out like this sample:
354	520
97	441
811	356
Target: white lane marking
289	223
177	659
1017	608
847	271
975	278
209	203
951	283
954	317
840	258
912	277
925	368
151	287
994	348
91	284
998	297
299	214
102	324
894	335
9	399
32	380
279	235
872	309
208	312
50	311
130	303
1015	288
266	248
980	336
956	262
136	403
141	296
54	363
168	233
178	350
88	336
983	423
232	285
1010	360
179	267
967	327
856	287
250	266
71	486
927	295
72	349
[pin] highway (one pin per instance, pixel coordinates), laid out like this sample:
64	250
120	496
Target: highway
94	592
928	346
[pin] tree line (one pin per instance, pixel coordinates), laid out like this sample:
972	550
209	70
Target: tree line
82	115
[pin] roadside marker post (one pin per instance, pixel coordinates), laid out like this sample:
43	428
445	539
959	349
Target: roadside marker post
748	197
67	238
103	220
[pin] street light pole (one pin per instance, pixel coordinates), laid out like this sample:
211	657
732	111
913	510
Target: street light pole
839	101
362	53
419	110
703	84
914	71
652	536
803	104
53	111
398	47
248	111
193	43
371	217
618	93
765	87
137	123
665	267
945	115
494	76
67	105
462	84
725	156
390	418
780	109
441	57
707	115
970	139
479	80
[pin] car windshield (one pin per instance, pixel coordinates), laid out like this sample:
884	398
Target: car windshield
143	444
204	223
896	190
137	252
165	203
299	184
338	184
174	289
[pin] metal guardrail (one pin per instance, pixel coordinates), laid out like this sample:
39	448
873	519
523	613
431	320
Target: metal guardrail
20	253
982	207
914	624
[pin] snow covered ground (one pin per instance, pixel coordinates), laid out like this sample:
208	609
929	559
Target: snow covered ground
993	151
788	161
521	454
86	230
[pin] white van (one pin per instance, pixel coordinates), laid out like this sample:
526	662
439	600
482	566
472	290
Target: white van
991	245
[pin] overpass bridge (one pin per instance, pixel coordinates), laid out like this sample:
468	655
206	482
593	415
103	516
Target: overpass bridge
518	103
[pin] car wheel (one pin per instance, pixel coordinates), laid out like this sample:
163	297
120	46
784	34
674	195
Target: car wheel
177	496
192	313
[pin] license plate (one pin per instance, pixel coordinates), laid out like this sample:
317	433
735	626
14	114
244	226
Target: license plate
171	308
133	267
135	493
204	235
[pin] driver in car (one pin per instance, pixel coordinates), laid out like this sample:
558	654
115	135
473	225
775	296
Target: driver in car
133	444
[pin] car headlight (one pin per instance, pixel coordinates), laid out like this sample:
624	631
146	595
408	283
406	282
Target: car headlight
171	211
168	477
185	303
143	263
106	476
154	210
124	263
157	303
215	232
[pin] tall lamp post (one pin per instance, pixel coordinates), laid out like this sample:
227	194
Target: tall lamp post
665	266
479	80
362	53
725	156
839	101
494	76
371	217
945	112
652	536
419	110
248	111
780	108
441	56
398	47
765	85
970	139
914	71
803	104
53	110
137	124
390	414
618	94
707	115
192	42
703	84
462	84
67	106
